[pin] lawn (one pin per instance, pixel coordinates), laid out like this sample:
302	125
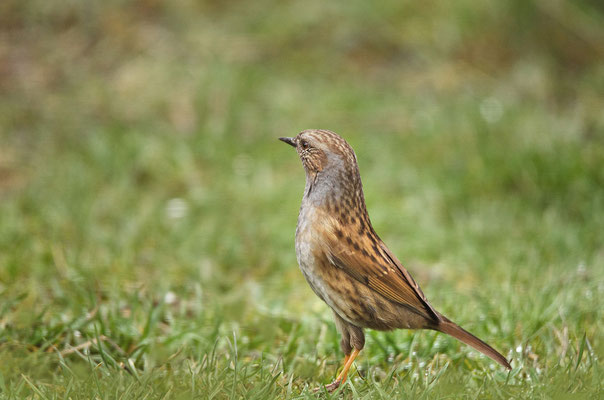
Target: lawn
147	209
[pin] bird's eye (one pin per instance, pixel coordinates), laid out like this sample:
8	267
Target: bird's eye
304	144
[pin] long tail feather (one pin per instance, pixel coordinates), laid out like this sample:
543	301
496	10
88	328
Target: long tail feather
450	328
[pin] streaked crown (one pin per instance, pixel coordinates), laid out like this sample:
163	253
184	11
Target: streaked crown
320	149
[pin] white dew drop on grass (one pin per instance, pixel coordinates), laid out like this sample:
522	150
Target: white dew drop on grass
170	298
176	208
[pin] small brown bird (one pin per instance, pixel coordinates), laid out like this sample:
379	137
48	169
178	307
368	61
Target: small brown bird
345	262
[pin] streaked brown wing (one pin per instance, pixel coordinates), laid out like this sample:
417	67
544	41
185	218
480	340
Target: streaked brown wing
370	262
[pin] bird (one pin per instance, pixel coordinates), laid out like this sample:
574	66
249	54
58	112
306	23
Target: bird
346	263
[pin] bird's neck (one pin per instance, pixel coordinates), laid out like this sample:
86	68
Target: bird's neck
328	188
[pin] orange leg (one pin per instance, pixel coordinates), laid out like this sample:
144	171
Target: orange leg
344	374
346	358
347	364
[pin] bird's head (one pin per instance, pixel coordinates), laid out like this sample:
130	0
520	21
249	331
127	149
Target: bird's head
323	151
331	166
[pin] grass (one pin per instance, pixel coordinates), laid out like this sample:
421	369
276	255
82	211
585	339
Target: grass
147	211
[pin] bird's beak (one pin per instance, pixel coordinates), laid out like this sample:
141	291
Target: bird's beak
288	140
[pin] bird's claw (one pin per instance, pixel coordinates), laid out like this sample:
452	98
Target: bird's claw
330	388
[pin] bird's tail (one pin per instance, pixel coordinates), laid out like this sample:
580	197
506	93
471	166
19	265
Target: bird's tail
450	328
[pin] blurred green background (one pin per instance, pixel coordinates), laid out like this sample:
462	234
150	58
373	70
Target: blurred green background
147	210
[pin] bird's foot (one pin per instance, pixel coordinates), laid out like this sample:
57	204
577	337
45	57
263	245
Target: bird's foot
330	388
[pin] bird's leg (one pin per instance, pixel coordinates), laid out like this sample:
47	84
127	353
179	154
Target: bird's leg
346	358
344	374
347	364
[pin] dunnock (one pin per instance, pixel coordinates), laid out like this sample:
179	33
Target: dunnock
345	262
